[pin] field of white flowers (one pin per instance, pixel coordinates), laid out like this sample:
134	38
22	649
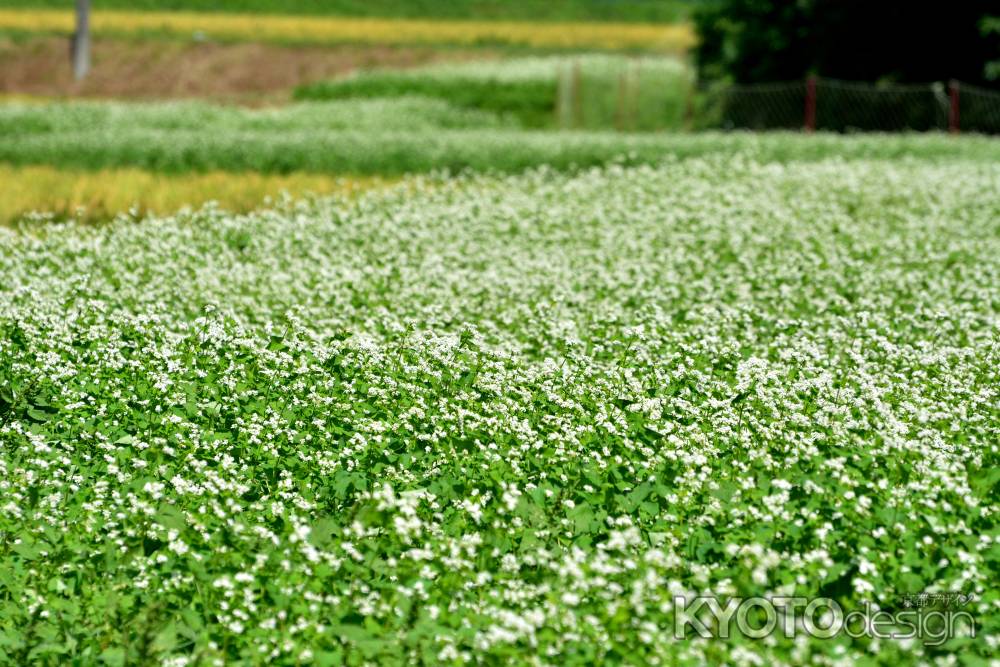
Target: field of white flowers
501	419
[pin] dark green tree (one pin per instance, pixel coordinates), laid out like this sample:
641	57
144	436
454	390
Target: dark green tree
750	41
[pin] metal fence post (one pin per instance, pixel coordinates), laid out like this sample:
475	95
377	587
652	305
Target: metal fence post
810	110
689	108
953	119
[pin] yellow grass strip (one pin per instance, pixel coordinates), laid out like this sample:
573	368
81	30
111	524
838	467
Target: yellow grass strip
666	37
18	98
102	194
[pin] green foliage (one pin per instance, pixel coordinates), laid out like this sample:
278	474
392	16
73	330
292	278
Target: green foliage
990	26
489	419
532	103
751	41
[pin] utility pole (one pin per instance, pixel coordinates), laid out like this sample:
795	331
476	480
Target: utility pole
81	40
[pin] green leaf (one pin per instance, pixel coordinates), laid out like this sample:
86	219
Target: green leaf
113	656
170	517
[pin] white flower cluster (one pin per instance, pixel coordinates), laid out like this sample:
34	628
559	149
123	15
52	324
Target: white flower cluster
503	419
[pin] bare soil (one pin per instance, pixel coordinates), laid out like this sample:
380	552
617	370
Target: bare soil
163	69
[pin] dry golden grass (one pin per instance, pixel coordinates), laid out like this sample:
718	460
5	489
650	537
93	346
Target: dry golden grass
257	27
19	98
99	195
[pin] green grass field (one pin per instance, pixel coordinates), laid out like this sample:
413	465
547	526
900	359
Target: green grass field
388	137
583	91
656	11
508	419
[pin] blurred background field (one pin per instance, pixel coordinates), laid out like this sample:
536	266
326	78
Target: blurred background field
246	73
189	96
592	91
251	96
362	30
44	193
658	11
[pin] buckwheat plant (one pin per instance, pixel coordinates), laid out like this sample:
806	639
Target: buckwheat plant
505	419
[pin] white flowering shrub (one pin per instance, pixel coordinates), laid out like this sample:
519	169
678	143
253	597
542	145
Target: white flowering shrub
504	419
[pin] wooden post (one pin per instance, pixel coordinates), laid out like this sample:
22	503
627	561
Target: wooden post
636	96
562	98
577	96
689	108
81	40
620	102
953	119
810	111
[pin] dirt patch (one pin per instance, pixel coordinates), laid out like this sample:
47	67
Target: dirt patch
163	69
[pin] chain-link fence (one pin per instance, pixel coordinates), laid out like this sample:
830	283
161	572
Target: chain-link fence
977	109
845	106
764	106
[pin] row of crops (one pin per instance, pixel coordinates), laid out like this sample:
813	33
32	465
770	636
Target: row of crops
509	418
289	29
382	136
94	160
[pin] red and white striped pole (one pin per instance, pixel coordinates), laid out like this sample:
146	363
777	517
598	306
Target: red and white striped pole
810	111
